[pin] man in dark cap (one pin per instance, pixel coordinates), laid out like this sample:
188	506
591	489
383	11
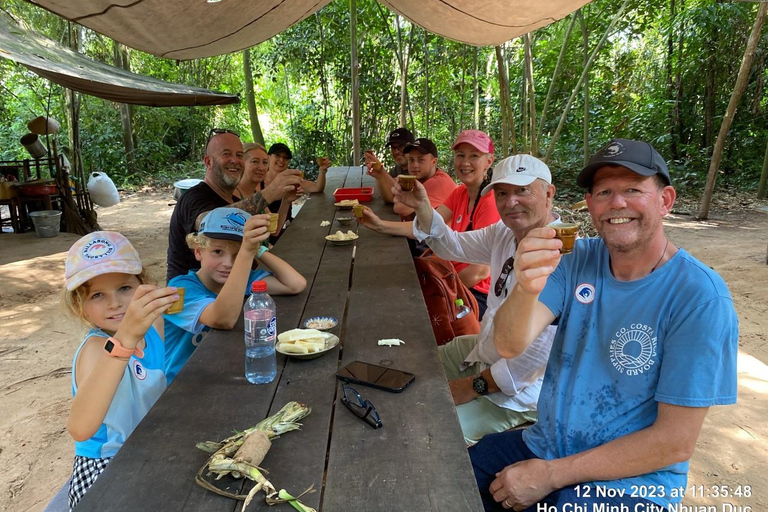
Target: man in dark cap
647	341
422	163
396	143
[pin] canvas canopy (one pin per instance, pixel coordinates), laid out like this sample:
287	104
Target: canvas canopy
77	72
184	29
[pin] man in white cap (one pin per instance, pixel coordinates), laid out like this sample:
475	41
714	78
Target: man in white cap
492	394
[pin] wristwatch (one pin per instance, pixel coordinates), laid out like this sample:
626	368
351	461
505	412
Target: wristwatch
480	385
116	349
261	252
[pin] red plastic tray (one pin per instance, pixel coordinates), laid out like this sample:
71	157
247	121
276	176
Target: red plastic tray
362	194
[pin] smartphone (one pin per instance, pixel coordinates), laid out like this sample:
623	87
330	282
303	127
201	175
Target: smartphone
375	376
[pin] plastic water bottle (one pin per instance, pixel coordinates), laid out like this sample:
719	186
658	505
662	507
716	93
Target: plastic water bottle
260	330
463	310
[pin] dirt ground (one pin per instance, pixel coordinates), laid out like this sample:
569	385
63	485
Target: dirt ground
37	343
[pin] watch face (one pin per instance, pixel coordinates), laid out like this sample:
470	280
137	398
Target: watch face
480	385
108	346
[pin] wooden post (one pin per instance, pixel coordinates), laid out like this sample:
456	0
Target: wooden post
355	84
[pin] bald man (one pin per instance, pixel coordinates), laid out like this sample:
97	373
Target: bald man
223	171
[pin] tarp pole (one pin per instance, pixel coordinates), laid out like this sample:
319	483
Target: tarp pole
355	93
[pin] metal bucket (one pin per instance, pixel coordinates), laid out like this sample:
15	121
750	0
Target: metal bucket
47	223
32	142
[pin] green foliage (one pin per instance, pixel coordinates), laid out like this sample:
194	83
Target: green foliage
303	91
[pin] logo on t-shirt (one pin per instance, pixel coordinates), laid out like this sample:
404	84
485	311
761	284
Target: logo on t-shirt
585	293
139	370
633	349
458	220
197	338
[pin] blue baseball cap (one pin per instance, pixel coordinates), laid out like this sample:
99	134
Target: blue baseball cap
224	223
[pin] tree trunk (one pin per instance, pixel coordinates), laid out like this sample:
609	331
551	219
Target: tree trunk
679	80
503	99
555	76
126	111
426	85
403	71
72	100
709	92
523	105
584	74
476	119
670	81
763	175
461	87
323	89
585	40
250	98
531	93
356	153
730	112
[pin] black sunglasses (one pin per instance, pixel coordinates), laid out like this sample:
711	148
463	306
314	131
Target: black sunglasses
361	408
501	282
218	131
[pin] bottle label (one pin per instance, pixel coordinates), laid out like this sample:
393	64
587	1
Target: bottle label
266	334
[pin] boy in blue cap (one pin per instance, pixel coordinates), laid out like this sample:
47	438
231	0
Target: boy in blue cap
225	245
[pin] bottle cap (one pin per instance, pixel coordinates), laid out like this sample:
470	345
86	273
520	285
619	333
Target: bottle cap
459	302
258	286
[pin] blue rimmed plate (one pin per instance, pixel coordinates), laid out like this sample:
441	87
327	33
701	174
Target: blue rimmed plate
321	323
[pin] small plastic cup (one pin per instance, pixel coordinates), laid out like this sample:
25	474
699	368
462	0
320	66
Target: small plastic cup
406	182
178	304
301	175
273	217
377	166
357	210
566	232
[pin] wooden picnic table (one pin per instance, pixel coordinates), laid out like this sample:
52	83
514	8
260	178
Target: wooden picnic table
416	462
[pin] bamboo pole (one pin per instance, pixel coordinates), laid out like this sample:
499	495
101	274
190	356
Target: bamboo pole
730	111
555	76
584	74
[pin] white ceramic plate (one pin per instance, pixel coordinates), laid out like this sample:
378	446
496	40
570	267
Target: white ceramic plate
336	241
331	340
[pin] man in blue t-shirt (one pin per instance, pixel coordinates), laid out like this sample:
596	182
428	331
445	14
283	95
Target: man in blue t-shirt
647	341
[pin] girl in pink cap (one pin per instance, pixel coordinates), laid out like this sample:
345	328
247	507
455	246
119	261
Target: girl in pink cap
117	371
463	210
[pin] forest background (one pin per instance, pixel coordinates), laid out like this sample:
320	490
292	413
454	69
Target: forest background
664	73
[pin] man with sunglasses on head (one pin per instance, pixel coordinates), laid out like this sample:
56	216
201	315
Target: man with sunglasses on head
647	342
385	180
223	170
491	393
